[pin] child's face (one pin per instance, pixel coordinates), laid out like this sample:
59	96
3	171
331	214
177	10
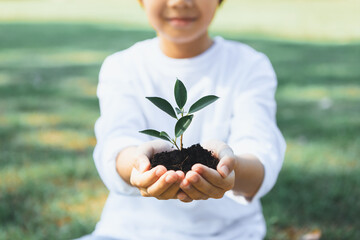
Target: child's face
180	21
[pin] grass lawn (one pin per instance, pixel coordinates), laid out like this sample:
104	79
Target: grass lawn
49	187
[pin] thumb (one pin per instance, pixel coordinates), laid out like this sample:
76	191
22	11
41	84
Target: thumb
142	163
226	165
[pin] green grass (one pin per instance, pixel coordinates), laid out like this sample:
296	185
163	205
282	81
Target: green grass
49	187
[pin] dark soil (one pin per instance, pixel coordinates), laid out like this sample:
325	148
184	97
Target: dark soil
183	160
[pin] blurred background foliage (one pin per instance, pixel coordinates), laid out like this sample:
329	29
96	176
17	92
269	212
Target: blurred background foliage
50	55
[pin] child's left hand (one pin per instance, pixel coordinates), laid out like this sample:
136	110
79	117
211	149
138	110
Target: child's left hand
202	182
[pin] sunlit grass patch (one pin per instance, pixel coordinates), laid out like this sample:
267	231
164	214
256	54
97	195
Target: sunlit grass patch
84	85
78	57
295	233
50	58
63	139
312	154
70	140
87	206
41	119
4	121
32	205
37	172
32	119
68	170
10	180
319	92
329	68
4	79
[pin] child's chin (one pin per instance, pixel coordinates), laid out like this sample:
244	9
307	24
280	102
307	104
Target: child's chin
181	37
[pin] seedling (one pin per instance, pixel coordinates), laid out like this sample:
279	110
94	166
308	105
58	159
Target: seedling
183	118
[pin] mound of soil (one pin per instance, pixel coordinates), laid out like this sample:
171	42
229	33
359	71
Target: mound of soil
183	160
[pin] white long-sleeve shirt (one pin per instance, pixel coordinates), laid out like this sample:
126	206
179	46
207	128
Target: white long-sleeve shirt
243	117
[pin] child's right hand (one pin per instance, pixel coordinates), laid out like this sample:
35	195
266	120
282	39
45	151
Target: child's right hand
156	182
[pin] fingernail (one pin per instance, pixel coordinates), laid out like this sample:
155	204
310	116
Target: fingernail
180	174
169	179
185	184
181	196
195	178
188	187
197	168
225	170
159	172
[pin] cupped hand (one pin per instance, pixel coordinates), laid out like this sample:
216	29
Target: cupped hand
156	182
202	182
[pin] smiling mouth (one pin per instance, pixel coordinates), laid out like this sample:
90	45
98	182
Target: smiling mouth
181	21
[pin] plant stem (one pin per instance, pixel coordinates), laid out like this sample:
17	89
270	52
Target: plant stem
177	146
181	137
181	142
174	142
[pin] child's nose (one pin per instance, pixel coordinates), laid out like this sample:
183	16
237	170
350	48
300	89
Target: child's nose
180	3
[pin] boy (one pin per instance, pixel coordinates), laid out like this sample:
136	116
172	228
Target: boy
248	143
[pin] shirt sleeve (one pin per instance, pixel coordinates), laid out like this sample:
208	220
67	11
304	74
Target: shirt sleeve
253	125
119	122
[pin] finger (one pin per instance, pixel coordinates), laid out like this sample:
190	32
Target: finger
214	177
161	146
224	151
204	186
192	192
183	197
142	163
171	192
181	174
217	147
164	183
144	192
226	165
146	179
149	149
180	194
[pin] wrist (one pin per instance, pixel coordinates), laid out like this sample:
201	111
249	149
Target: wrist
125	162
237	170
249	175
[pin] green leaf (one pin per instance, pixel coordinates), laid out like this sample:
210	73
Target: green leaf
154	133
202	102
178	110
180	93
163	105
182	125
164	134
